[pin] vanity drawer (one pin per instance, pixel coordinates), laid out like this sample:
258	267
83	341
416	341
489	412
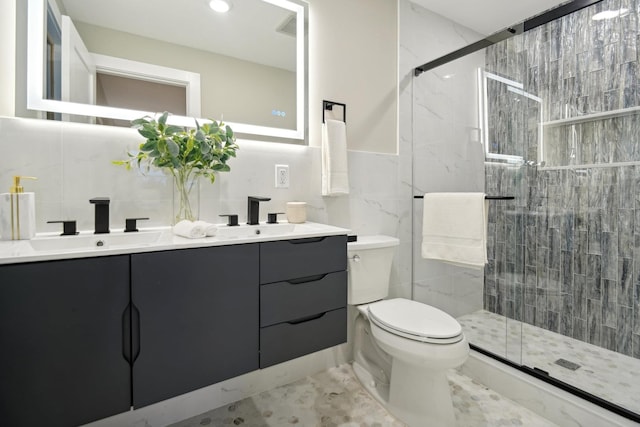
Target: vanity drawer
297	298
286	341
292	259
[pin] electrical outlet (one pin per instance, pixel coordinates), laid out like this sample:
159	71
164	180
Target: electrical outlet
282	176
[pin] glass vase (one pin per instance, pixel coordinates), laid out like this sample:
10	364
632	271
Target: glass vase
186	197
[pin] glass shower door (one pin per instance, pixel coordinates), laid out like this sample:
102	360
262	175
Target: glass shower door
449	156
504	111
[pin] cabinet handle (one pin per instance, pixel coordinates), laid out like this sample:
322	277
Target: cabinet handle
126	333
307	240
306	319
135	330
307	279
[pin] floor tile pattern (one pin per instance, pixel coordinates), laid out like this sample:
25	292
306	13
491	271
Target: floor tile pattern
604	373
336	398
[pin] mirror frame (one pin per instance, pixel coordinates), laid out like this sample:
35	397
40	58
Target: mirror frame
36	19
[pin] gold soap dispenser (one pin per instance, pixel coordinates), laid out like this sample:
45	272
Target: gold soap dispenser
17	212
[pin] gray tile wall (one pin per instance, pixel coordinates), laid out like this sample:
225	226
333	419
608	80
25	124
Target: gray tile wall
565	255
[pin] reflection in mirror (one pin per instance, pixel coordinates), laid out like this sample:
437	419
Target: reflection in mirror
111	62
504	104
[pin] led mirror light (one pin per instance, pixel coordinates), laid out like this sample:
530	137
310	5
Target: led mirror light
36	42
609	14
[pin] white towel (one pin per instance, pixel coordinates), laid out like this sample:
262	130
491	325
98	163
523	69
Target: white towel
454	228
189	229
209	229
335	174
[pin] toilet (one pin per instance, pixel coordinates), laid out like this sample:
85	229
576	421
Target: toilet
402	348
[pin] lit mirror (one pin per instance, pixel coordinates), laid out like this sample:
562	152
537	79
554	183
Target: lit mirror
109	62
503	104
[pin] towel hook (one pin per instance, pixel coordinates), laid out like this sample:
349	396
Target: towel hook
328	106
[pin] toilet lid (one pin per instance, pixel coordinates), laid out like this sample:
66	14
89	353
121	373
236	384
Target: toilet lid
414	320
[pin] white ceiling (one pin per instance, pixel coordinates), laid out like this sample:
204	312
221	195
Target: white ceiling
488	16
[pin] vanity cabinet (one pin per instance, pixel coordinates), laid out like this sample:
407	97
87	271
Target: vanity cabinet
63	326
303	297
195	316
83	339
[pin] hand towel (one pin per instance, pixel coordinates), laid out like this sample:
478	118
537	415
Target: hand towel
454	228
189	229
335	174
209	229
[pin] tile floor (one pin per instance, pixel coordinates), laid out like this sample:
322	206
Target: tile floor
604	373
335	398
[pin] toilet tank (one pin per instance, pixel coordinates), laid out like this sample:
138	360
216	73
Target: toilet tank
370	259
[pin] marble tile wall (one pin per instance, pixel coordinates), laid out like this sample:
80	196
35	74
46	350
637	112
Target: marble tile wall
73	164
439	148
565	256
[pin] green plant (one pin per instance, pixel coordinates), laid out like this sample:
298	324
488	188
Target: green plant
203	150
185	153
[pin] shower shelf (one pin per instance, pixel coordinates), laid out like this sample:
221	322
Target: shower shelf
592	117
486	197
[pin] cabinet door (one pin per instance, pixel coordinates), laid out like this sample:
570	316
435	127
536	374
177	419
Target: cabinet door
62	330
196	311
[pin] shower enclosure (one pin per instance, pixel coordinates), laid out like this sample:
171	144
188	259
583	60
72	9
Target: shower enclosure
550	116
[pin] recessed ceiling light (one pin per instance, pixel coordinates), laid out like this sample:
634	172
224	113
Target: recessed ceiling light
609	14
220	6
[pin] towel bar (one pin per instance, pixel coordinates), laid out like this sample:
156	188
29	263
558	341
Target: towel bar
486	197
328	105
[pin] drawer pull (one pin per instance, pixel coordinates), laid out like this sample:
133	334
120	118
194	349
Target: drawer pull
308	240
307	279
306	319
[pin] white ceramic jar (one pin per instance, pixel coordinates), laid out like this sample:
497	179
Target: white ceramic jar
296	212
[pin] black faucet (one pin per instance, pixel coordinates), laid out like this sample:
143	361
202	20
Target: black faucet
102	214
253	209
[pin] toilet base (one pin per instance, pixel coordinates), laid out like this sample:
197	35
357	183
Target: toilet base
371	365
420	397
413	394
377	389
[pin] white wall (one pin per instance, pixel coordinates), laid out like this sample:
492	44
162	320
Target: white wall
439	149
353	50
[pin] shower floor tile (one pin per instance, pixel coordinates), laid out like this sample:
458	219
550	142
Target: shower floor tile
335	398
601	372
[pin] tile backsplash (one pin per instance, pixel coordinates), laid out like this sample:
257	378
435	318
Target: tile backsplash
73	164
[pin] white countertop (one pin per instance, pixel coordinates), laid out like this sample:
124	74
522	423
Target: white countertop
45	247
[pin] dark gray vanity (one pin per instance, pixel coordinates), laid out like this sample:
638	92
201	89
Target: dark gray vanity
86	338
303	297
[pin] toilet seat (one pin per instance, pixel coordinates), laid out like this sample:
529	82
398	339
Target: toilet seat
415	321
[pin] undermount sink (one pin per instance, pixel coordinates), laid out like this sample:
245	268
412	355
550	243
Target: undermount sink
94	241
262	229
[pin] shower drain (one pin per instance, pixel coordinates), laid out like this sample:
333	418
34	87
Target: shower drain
567	364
